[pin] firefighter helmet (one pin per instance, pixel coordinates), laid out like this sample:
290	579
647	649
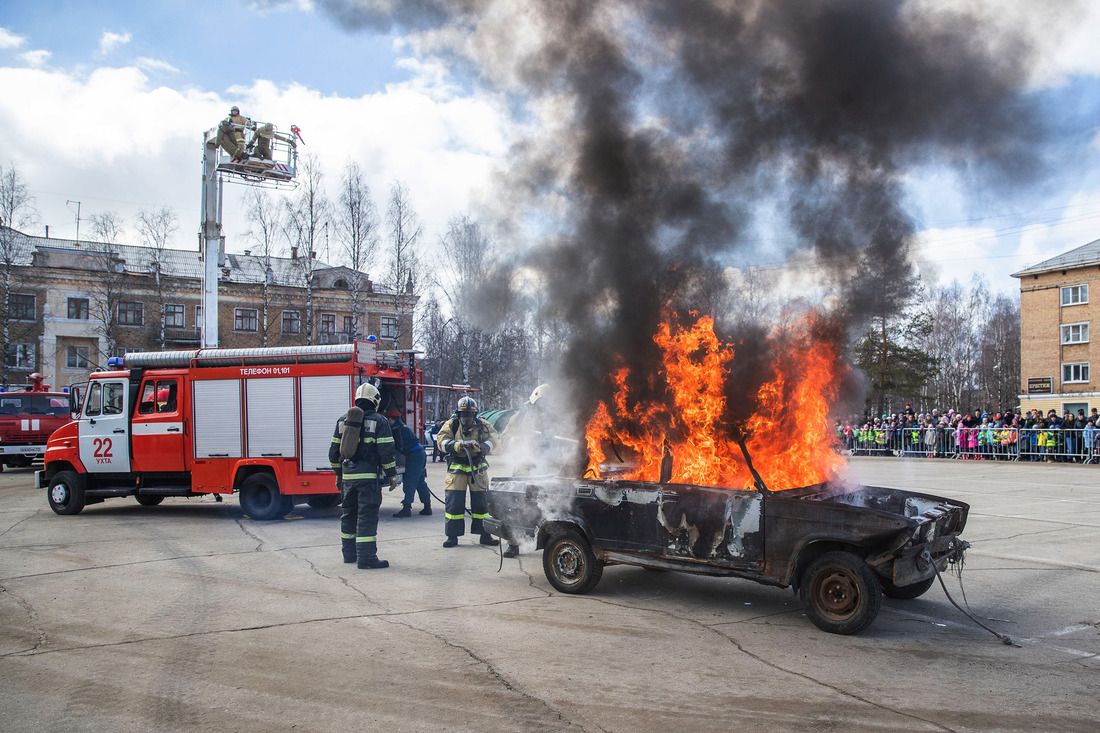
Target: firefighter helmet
368	392
466	412
234	110
540	391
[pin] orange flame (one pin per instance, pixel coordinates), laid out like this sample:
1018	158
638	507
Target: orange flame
788	437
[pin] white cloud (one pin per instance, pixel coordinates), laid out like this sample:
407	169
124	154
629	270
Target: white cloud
9	39
155	65
35	58
121	143
109	41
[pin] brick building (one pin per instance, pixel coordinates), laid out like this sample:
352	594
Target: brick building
1056	351
74	304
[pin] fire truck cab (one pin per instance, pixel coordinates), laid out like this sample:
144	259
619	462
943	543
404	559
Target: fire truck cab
258	422
27	419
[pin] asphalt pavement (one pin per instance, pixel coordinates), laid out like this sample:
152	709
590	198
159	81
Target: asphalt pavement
190	616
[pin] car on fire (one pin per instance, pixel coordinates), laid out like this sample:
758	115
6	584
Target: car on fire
840	546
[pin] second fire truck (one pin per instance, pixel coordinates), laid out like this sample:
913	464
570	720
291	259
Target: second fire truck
27	419
257	422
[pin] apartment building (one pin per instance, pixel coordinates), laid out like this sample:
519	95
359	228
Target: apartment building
74	304
1056	349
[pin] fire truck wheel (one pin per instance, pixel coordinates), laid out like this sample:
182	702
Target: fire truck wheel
146	500
570	564
840	593
324	501
260	498
66	493
906	592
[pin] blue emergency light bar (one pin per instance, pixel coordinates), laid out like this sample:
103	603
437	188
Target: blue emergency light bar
114	361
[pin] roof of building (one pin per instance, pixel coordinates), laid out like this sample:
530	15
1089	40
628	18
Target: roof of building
1083	256
181	263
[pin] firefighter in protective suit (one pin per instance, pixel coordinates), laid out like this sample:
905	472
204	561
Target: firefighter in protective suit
231	134
466	440
361	453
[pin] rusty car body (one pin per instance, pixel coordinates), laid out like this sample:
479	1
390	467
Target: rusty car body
841	546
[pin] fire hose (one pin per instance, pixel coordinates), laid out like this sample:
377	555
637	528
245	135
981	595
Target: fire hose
1005	638
473	475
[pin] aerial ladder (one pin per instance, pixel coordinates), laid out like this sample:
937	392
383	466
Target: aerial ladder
269	159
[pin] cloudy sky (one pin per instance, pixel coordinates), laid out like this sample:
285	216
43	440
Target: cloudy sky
105	104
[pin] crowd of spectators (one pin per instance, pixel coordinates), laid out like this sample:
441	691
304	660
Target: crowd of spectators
1007	435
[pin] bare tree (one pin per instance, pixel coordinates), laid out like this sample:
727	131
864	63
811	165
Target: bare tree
16	212
955	314
403	235
109	285
306	215
999	366
156	228
466	249
106	227
263	230
357	228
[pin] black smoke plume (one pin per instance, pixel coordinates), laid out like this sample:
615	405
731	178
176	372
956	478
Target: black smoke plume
677	122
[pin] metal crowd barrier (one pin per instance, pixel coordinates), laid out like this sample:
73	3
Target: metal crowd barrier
995	444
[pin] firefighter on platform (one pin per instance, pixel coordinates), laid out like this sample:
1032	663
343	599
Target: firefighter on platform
466	440
231	134
362	451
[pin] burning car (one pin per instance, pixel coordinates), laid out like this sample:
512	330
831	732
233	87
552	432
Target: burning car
665	478
840	546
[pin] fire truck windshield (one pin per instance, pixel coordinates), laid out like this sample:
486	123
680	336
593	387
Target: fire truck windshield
33	404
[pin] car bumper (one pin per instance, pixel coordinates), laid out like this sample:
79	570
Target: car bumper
22	450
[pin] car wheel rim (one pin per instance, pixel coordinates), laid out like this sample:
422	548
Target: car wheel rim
836	594
60	494
569	563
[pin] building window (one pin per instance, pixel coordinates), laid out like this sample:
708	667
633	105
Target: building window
1075	294
78	309
388	328
78	357
123	351
1075	373
131	313
292	322
174	316
328	323
349	326
246	319
198	316
1075	333
19	356
21	307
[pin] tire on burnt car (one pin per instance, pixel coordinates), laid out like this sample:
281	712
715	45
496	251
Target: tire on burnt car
840	593
569	563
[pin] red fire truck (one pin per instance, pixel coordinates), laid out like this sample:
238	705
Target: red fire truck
216	421
27	419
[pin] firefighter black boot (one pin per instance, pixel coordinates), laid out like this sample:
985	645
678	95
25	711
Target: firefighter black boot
512	551
347	547
406	511
451	541
372	563
425	512
488	539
